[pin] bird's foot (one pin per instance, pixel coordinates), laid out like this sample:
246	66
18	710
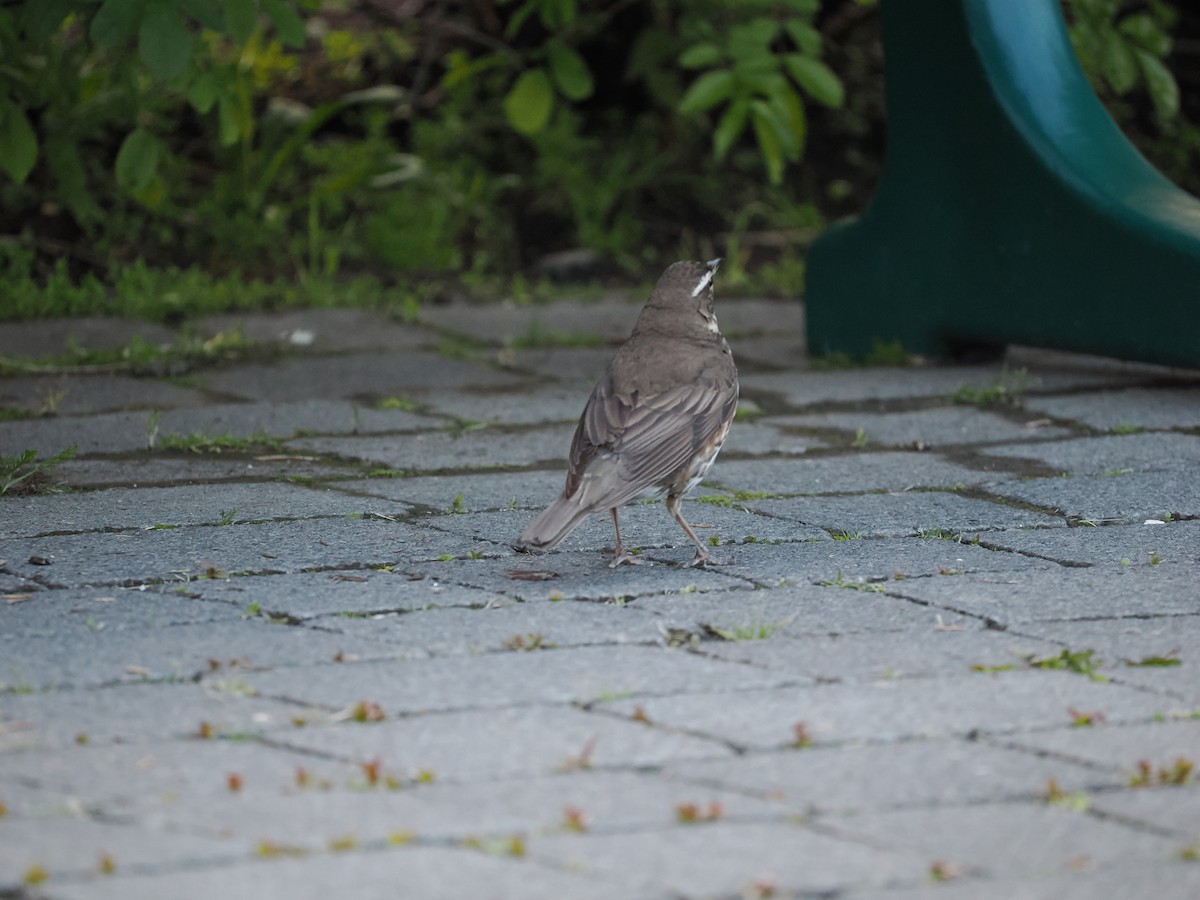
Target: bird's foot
628	558
704	560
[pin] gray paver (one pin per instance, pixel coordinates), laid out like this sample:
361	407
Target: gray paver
513	678
884	710
1010	839
1012	598
438	873
723	859
869	777
528	741
576	708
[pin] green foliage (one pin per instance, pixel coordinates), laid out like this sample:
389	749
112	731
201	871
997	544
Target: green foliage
754	67
20	472
259	151
1122	49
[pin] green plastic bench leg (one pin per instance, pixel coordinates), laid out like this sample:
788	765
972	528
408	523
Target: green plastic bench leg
1011	208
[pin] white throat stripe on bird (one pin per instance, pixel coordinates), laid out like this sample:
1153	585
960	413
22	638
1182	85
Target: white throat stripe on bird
704	282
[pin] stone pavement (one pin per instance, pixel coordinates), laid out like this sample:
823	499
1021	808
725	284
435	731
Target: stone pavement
271	642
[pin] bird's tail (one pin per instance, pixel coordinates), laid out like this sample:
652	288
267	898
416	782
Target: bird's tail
555	523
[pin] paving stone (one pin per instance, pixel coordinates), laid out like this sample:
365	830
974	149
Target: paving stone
848	473
728	859
534	807
362	375
160	471
73	848
871	777
1176	406
485	745
436	873
1137	651
882	383
529	405
578	368
480	489
1119	747
505	323
134	713
515	626
1174	808
573	575
511	679
321	330
944	426
1150	452
1008	839
430	451
868	658
71	394
285	420
874	561
1170	880
331	593
182	785
91	654
166	555
893	710
794	610
1112	547
1125	497
903	514
761	438
118	432
1054	595
766	354
45	613
148	507
644	526
53	337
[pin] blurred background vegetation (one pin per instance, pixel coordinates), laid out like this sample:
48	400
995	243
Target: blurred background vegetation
167	157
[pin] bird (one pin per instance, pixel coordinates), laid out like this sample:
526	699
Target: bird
656	420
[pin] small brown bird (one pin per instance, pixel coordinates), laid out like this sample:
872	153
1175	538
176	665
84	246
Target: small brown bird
656	420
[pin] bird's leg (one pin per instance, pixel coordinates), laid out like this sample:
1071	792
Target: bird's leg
619	554
703	557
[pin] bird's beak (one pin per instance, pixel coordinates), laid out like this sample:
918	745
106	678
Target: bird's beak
714	263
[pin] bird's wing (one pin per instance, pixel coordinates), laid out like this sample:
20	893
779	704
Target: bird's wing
625	444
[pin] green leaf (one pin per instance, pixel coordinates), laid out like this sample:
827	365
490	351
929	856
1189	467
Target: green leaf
229	120
18	143
732	124
767	132
206	12
44	18
528	104
700	56
115	22
202	93
164	42
707	91
64	160
288	24
752	39
137	160
1144	31
1119	64
241	19
806	38
569	71
1161	84
816	79
789	112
